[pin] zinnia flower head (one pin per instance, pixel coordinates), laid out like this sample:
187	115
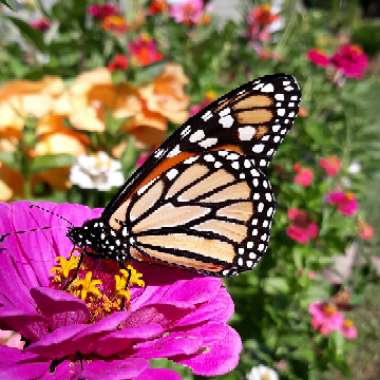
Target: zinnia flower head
326	318
304	175
348	329
82	330
144	50
318	58
262	22
345	202
330	164
42	24
301	229
262	372
350	60
119	62
115	24
101	11
157	6
187	12
366	231
97	171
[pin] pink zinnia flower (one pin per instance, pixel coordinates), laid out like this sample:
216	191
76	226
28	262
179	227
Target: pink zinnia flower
119	62
331	165
318	58
73	335
346	203
187	12
325	317
42	24
302	229
304	175
366	231
348	329
144	50
350	60
101	11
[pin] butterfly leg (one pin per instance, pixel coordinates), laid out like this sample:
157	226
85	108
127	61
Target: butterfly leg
76	270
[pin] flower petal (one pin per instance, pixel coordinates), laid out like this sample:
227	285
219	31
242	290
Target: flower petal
113	370
221	349
119	341
158	374
18	365
61	307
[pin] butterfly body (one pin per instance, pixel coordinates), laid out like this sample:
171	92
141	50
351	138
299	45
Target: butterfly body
203	201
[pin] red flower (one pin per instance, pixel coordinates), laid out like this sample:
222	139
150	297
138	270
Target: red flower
41	24
350	60
366	231
157	6
302	229
318	58
331	165
304	175
101	11
262	23
346	202
119	62
144	50
325	317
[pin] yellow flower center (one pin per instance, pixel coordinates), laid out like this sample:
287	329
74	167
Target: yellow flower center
329	309
100	283
348	323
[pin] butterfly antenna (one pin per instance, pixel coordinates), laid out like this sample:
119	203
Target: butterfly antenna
5	235
59	216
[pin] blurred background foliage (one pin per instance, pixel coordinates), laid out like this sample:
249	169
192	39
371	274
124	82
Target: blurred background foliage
89	89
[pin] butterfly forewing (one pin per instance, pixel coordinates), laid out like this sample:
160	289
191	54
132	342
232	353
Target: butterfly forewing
202	200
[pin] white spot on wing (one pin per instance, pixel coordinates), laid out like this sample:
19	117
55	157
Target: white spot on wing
207	143
197	136
246	133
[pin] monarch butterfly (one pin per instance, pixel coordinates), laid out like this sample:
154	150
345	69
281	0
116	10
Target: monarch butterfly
202	200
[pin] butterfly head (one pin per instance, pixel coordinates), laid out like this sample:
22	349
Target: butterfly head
96	238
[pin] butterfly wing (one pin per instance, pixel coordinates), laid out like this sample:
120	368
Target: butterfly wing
202	200
252	120
212	213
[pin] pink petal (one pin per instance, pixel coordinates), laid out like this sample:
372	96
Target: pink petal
222	346
60	307
158	374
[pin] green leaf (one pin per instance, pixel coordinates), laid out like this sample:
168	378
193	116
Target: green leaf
9	158
275	285
40	164
9	3
33	35
148	73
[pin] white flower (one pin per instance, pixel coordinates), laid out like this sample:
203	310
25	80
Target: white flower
98	171
262	372
355	168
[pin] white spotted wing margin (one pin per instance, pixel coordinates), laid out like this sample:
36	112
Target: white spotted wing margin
251	120
211	213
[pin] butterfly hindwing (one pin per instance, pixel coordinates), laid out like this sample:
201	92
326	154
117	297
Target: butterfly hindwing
211	212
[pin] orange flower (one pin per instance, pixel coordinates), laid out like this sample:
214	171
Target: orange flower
93	95
166	95
115	24
20	99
